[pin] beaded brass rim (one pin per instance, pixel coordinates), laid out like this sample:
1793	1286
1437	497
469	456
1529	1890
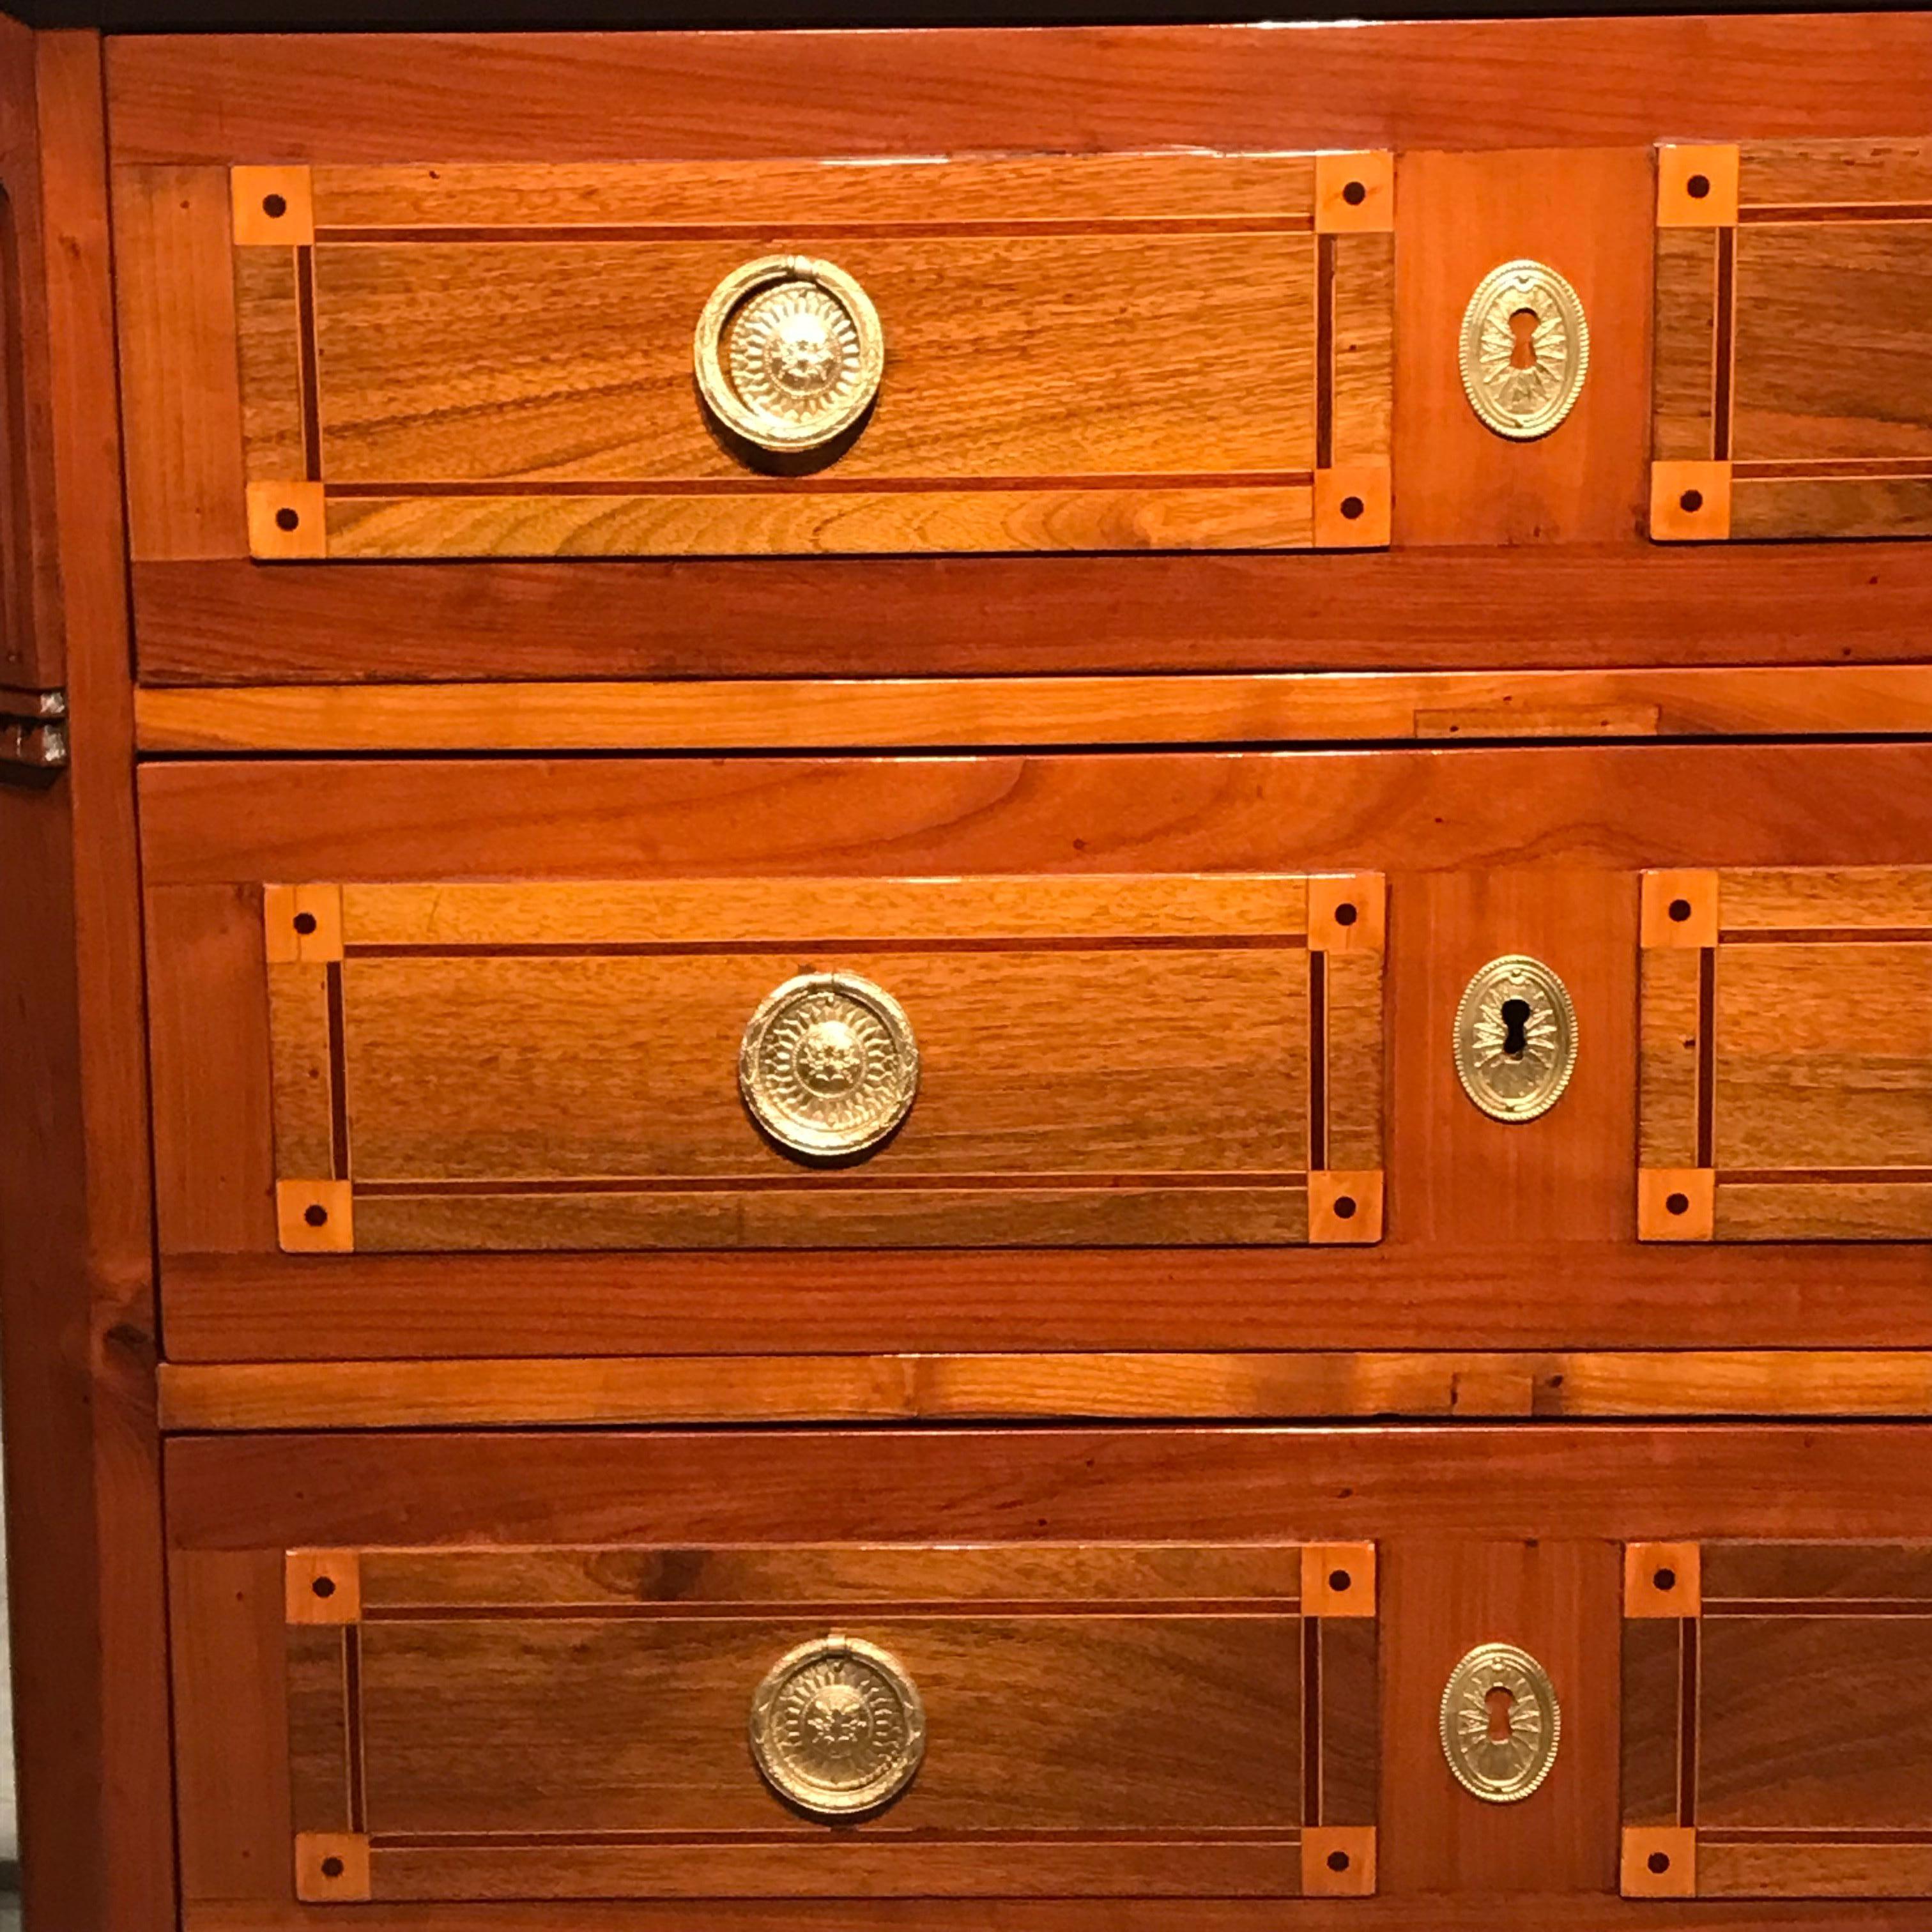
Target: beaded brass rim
828	1066
1515	1038
789	352
1522	377
837	1727
1505	1770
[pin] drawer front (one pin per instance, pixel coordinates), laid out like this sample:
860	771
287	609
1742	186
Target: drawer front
836	1719
1794	281
1775	1721
1041	353
424	1672
1068	1053
814	1062
1787	1045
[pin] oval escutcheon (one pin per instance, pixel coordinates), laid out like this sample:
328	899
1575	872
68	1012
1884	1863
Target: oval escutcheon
1525	349
1500	1723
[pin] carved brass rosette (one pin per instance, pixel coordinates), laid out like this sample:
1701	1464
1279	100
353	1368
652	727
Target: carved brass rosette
828	1066
1516	1038
838	1728
1498	1687
789	352
1525	349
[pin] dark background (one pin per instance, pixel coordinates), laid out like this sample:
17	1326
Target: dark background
192	15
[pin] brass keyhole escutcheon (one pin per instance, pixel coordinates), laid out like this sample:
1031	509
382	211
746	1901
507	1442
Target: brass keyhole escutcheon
1515	1038
1524	349
1500	1723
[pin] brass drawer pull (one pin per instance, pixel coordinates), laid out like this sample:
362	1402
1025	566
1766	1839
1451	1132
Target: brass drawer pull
789	353
838	1728
1501	1723
828	1066
1516	1038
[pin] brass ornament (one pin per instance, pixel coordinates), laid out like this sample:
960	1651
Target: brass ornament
1516	1038
789	352
828	1066
1525	349
1505	1770
838	1728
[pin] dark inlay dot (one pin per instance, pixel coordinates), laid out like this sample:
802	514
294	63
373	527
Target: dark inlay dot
1659	1861
316	1215
324	1586
1665	1579
1340	1579
1698	186
1352	507
1680	910
287	519
305	923
1345	1207
1691	502
1354	194
273	207
1338	1861
1677	1204
1345	914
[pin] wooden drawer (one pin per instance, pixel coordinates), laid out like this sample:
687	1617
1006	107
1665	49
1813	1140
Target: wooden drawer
477	1083
1794	279
1774	1720
1143	341
1034	353
440	1672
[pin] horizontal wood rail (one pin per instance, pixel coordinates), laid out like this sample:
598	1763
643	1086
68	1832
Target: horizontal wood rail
1567	1385
1884	700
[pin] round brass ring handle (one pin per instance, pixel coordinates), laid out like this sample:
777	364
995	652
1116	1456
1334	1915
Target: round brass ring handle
838	1728
789	352
828	1066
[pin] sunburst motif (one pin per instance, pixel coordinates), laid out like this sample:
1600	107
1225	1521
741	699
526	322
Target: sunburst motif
838	1727
839	1723
1525	349
794	353
829	1065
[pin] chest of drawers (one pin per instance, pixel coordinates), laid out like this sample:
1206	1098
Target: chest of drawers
969	976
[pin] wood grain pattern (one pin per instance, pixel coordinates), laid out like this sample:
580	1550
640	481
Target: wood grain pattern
1558	1599
559	302
1767	1705
624	1673
1587	213
201	1396
1454	825
182	411
384	99
1791	351
1787	1061
557	1067
1287	707
228	621
87	1608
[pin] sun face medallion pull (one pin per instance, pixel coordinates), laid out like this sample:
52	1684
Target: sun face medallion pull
789	353
828	1067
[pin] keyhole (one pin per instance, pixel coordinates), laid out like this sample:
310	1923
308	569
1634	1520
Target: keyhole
1499	1700
1515	1025
1522	326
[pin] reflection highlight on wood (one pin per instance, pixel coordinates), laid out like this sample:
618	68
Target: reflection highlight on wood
1285	707
616	1389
